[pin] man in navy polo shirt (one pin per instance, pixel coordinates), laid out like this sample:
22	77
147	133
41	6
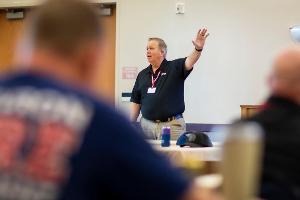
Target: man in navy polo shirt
57	141
159	89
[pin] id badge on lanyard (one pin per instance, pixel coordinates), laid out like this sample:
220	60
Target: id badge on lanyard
152	90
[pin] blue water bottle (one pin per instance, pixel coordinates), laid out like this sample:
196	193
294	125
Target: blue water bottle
165	136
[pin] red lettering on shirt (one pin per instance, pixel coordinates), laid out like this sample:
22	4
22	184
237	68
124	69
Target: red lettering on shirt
12	135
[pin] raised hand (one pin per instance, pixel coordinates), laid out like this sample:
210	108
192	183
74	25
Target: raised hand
200	38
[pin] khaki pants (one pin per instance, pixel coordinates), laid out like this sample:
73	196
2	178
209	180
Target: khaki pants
152	129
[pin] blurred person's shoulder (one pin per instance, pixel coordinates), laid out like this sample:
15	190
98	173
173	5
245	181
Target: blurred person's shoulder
48	87
276	109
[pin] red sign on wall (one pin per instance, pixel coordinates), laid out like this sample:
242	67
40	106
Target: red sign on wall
129	72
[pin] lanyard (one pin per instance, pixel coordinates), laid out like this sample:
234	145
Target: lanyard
154	80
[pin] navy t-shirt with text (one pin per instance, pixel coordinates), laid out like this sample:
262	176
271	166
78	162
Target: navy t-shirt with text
58	142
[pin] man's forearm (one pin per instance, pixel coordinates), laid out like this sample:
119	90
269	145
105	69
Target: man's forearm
192	59
198	44
135	111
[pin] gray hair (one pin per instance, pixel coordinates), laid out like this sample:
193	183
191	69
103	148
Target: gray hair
161	44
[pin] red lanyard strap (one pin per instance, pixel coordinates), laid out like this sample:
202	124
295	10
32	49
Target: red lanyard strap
154	80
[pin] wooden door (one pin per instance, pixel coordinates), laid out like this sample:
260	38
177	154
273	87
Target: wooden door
105	81
9	34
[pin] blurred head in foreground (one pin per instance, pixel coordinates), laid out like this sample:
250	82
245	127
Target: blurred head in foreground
285	77
63	39
280	119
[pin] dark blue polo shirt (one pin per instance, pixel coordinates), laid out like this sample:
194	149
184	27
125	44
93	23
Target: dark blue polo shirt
168	100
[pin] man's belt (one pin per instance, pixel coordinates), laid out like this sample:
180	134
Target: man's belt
178	116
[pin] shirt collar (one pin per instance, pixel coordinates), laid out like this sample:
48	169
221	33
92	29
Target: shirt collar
162	66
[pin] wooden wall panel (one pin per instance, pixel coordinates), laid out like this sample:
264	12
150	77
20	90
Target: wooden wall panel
105	81
9	34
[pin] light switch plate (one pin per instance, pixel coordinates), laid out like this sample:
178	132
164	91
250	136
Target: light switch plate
180	8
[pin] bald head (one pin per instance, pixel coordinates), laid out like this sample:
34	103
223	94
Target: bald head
285	78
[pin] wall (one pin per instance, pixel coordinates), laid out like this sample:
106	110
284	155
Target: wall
245	36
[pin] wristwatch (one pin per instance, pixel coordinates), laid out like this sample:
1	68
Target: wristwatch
199	50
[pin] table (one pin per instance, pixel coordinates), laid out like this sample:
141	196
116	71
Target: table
206	158
201	154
